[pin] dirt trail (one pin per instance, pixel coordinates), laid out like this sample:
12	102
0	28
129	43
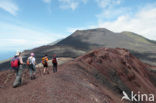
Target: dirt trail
61	87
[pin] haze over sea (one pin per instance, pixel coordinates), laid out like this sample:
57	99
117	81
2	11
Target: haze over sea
6	55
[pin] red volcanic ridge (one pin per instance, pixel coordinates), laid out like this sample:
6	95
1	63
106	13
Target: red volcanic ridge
99	76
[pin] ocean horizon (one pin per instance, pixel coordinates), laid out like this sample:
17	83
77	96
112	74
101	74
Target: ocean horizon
4	55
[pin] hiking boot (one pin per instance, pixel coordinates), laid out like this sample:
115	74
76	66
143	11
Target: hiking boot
14	86
17	85
34	77
31	78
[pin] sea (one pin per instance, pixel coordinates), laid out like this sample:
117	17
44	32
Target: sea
4	55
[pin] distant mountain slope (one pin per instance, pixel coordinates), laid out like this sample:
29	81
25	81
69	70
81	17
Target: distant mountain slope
88	39
138	38
55	42
141	47
81	41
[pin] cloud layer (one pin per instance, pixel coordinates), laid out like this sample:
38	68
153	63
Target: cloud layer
68	4
142	22
107	3
9	6
19	37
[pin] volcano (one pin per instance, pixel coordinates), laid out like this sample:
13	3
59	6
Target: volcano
82	41
100	76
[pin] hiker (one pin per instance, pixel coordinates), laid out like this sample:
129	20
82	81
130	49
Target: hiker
54	62
17	66
45	64
31	62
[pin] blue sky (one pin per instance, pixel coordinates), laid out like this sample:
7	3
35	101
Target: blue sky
26	24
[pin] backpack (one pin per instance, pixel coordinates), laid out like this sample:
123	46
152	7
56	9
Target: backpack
44	61
15	62
54	61
28	63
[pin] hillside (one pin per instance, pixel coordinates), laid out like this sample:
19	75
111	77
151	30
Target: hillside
99	76
82	41
88	39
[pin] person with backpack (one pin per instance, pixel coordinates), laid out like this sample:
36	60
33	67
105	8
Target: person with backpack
31	62
54	62
17	66
45	64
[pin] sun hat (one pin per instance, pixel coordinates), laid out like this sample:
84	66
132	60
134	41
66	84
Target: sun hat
32	54
17	53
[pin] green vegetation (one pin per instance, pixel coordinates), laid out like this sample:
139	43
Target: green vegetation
137	37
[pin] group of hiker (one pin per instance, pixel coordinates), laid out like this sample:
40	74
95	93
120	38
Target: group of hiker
17	65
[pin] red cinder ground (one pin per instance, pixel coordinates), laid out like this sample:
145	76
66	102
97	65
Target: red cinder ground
99	76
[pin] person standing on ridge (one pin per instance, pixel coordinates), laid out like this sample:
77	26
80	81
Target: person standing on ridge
54	62
45	64
17	66
31	62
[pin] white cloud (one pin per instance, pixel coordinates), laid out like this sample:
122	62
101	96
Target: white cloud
9	6
112	13
47	1
84	1
15	41
18	37
107	3
73	29
68	4
110	9
143	23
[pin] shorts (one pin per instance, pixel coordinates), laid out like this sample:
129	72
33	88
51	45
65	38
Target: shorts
32	67
45	65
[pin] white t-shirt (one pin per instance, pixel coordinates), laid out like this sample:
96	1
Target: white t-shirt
32	60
